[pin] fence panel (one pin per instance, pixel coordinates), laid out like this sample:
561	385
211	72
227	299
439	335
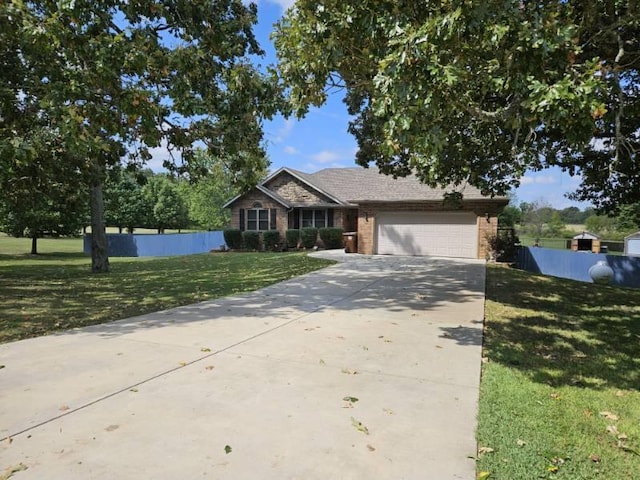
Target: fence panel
166	245
576	265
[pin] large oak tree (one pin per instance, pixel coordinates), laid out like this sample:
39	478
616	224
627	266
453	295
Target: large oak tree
117	78
478	91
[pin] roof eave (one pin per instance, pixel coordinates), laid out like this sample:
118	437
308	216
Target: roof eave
428	200
264	190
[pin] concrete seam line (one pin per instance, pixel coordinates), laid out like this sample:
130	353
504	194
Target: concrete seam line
186	364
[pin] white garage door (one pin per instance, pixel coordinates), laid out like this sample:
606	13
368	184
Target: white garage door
419	233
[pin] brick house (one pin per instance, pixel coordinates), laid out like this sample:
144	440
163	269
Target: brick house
391	216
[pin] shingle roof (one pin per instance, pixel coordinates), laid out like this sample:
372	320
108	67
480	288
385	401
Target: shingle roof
356	185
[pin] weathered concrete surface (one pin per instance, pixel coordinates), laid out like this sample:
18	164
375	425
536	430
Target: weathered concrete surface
162	395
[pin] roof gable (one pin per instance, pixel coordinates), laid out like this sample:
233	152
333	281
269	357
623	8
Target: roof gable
299	188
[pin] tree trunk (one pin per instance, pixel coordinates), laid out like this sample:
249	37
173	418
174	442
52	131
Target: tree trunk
99	255
34	243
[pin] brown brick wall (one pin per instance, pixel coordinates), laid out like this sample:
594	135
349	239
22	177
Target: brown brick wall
347	219
367	220
249	199
486	229
342	218
366	229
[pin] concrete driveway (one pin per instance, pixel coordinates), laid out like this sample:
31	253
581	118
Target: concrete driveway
366	369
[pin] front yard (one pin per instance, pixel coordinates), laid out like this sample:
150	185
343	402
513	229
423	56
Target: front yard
56	291
559	393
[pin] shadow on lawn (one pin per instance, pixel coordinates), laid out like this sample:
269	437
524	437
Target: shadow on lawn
562	332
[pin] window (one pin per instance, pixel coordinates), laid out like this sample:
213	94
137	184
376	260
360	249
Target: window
258	219
314	218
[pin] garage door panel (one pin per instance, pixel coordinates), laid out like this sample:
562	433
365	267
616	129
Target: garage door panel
437	234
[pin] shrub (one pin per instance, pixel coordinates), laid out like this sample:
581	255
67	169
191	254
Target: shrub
271	239
233	239
251	240
293	237
503	245
309	237
331	237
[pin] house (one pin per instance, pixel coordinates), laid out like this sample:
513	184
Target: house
632	245
391	216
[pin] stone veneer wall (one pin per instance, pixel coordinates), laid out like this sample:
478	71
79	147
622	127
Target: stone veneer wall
295	191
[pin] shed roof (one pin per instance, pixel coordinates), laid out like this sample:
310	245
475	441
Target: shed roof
586	236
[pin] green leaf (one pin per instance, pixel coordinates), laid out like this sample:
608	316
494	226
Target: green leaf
359	426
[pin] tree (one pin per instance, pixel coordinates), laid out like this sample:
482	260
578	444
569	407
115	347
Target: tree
480	91
628	219
45	196
555	226
600	224
510	216
571	215
117	78
169	211
206	194
536	216
124	201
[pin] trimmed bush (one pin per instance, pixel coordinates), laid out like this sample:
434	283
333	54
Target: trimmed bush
271	240
331	237
503	245
293	237
233	239
309	237
251	240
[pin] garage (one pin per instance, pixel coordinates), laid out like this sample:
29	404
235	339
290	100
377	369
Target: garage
450	234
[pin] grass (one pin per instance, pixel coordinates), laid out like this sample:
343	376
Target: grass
529	241
22	246
559	393
55	290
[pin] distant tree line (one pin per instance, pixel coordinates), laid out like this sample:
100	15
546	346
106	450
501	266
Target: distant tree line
34	204
539	219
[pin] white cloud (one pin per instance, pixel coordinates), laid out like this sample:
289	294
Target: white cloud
328	156
538	180
289	150
284	131
284	4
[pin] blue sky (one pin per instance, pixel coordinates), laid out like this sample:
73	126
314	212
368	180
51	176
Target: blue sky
321	140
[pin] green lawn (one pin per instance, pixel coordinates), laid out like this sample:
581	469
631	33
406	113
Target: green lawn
22	246
56	291
529	241
559	393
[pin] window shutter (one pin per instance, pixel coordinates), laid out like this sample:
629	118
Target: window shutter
242	219
273	214
330	218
